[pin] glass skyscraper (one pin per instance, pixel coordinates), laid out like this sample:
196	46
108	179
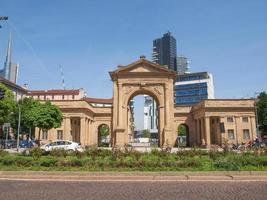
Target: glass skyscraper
164	51
191	88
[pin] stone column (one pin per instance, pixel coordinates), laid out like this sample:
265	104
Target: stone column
198	132
82	131
89	132
67	129
253	132
203	141
239	131
207	131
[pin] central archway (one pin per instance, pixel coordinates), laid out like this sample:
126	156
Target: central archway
143	77
143	120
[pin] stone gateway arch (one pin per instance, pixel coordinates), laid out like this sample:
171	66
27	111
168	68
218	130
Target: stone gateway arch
209	122
143	77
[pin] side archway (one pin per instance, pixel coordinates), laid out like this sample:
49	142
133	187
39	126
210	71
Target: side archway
183	135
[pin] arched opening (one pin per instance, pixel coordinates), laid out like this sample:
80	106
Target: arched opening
182	135
143	121
103	138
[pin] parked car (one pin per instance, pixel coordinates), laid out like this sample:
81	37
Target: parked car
26	144
62	144
8	144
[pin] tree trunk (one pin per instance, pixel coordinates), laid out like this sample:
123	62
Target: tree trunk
39	136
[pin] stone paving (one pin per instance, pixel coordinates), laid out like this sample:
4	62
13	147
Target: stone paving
59	190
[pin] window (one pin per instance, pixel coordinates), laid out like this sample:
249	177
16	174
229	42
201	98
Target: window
52	96
246	135
231	134
44	97
73	97
63	97
44	135
230	119
59	134
245	119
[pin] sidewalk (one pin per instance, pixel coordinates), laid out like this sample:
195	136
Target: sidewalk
134	176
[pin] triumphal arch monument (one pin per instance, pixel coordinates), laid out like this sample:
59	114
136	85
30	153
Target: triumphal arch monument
208	122
143	77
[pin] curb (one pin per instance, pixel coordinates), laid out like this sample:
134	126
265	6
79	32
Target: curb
133	176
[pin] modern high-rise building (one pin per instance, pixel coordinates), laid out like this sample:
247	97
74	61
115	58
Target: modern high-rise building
10	71
191	88
164	51
182	64
150	114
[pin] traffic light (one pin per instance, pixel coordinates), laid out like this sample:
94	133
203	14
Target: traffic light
2	93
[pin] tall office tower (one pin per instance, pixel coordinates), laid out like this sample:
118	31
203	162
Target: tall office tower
193	87
150	114
10	71
182	64
164	51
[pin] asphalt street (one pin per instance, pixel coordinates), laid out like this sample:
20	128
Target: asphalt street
77	190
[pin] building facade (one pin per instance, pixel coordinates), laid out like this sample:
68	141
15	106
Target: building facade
182	64
150	114
18	91
209	122
164	51
192	88
57	94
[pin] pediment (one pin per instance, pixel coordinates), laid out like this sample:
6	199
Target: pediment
142	66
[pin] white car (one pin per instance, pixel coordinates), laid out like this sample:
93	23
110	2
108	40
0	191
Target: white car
62	144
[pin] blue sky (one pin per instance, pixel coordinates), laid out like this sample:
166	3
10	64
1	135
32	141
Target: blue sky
89	38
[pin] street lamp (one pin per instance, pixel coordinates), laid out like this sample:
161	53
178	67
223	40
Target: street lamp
18	128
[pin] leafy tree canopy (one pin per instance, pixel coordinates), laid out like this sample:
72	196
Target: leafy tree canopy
146	133
7	105
181	131
262	110
27	118
104	130
46	116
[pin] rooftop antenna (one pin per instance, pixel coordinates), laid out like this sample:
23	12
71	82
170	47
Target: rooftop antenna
62	78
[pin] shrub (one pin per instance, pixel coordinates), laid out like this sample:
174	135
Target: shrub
3	152
227	164
22	161
75	162
36	152
59	153
8	160
48	161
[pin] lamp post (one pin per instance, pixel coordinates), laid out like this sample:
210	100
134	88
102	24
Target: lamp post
18	128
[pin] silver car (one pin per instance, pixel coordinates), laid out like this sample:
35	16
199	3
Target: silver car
63	144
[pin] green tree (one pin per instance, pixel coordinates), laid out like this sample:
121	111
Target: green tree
7	105
46	116
262	111
104	130
146	133
27	118
181	131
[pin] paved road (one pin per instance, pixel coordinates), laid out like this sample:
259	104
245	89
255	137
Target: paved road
59	190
